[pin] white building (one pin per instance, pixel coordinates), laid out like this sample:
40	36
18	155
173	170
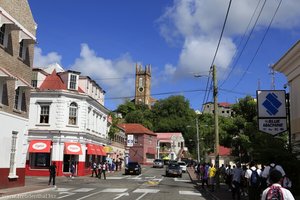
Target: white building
67	122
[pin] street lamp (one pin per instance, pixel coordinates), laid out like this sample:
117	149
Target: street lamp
198	140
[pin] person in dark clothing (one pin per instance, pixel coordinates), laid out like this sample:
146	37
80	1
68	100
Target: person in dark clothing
52	173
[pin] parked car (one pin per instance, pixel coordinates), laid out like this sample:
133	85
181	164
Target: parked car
174	169
182	165
158	163
133	168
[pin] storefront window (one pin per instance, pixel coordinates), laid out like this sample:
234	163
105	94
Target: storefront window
39	160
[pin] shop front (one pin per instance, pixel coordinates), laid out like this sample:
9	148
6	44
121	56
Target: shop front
39	152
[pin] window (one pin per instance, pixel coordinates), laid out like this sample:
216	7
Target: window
34	80
73	82
2	34
44	117
39	160
12	161
17	97
73	113
22	50
3	93
135	139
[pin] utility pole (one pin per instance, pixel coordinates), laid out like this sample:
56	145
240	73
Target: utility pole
198	147
215	94
272	72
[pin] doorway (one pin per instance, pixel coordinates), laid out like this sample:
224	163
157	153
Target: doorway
68	160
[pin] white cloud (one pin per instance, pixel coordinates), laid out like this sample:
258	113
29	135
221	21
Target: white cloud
114	76
198	23
45	60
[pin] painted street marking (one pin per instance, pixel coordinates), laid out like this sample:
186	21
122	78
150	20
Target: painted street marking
63	189
105	190
182	180
84	190
137	177
190	193
149	177
66	194
115	177
145	191
121	195
115	190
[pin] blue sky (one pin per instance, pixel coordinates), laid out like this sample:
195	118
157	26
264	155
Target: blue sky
104	39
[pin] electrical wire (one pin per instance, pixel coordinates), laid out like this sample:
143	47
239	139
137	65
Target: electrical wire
244	46
206	95
259	46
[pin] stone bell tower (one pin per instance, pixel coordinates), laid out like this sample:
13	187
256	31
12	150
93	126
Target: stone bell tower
143	85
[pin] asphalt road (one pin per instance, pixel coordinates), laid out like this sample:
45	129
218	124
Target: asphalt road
150	185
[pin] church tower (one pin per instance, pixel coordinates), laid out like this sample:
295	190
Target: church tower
143	85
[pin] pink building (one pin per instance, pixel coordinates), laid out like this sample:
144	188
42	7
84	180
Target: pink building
171	145
144	143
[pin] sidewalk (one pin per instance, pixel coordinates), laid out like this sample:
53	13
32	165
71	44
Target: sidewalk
220	193
35	184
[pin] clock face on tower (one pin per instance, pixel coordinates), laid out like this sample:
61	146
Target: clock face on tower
141	89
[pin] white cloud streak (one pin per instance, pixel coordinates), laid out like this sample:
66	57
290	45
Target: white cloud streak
45	60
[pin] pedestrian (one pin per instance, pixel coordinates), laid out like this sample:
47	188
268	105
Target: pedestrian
212	176
237	173
94	169
117	165
228	177
253	176
52	173
72	170
99	170
104	169
272	166
205	175
275	190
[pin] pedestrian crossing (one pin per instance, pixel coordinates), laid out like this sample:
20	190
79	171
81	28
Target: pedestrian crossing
118	192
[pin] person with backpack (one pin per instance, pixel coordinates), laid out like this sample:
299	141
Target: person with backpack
276	191
104	169
236	182
268	169
253	176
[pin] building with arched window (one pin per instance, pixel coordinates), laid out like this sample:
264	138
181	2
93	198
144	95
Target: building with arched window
67	123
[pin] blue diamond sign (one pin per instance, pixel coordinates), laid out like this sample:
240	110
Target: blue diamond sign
271	111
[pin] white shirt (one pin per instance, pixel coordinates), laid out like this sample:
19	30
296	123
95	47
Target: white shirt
248	172
287	195
266	171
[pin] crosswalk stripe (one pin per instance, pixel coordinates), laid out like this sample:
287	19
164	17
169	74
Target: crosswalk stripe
190	193
84	190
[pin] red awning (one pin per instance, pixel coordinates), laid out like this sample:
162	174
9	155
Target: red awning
40	146
91	149
73	148
100	151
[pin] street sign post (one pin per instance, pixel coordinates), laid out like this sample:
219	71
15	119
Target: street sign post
272	117
129	140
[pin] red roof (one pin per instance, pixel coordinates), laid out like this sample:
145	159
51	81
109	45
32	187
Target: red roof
136	129
223	151
54	82
224	104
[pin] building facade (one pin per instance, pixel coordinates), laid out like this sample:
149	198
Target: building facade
289	66
170	146
224	109
68	122
143	149
17	39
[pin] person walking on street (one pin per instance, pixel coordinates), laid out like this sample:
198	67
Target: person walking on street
99	170
253	176
236	182
276	191
103	171
52	173
72	170
211	177
94	169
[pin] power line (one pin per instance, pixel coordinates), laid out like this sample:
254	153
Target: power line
206	95
259	46
250	34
